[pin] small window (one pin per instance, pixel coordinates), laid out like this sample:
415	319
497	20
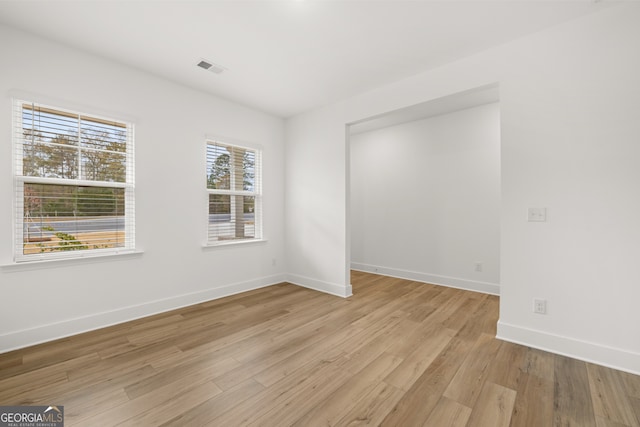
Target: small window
74	193
233	187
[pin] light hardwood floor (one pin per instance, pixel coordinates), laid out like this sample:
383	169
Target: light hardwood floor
397	353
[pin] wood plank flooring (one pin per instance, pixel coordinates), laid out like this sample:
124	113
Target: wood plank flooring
397	353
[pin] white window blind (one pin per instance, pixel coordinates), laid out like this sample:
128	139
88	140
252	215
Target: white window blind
74	183
234	192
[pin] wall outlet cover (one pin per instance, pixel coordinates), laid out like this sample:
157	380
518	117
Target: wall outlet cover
537	214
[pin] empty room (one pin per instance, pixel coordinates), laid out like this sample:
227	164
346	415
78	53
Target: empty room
320	213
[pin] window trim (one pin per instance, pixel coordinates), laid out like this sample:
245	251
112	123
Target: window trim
18	101
257	193
37	264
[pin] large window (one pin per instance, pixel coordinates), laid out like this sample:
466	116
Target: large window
74	183
233	186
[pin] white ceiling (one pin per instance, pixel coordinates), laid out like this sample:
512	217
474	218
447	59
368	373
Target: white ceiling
286	57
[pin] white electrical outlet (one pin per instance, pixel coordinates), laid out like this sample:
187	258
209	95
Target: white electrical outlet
540	306
478	266
537	214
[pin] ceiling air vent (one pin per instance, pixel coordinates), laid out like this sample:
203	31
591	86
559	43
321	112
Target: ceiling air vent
210	66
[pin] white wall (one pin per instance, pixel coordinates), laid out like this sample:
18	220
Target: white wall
42	302
570	103
425	199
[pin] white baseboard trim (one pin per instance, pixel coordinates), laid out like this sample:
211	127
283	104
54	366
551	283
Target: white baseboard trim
610	357
319	285
28	337
451	282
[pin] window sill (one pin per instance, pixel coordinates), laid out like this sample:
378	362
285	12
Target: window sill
226	243
63	262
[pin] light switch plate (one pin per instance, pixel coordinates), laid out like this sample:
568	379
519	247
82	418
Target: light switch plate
537	214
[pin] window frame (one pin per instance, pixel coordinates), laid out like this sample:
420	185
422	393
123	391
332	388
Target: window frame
20	180
256	193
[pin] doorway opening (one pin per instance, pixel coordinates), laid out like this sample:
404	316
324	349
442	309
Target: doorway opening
423	186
